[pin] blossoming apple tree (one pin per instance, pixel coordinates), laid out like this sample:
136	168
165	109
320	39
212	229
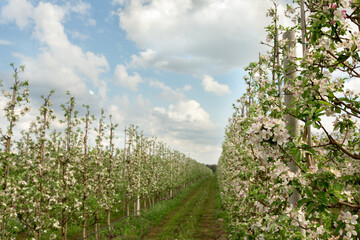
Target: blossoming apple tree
55	181
256	175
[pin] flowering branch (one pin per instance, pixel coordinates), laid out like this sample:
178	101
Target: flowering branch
292	159
334	142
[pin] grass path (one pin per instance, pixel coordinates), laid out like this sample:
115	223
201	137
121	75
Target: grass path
207	224
194	219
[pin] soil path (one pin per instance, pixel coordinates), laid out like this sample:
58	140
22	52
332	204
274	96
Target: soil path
194	219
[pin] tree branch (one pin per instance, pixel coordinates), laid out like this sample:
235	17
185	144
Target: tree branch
334	142
349	204
292	159
345	64
347	105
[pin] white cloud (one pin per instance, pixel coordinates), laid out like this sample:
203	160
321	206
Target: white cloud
204	153
183	123
182	113
185	36
5	42
120	2
19	11
148	58
83	9
80	8
49	29
50	73
185	119
210	85
187	88
160	110
169	94
60	64
188	111
124	79
78	35
126	110
91	22
188	128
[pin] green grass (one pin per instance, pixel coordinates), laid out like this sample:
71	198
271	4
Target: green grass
137	227
184	223
180	218
220	212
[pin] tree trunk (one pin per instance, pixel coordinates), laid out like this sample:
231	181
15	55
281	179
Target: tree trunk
109	222
3	226
64	200
138	207
127	207
96	226
84	221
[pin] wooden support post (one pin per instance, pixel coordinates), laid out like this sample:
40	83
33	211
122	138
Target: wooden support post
291	122
307	132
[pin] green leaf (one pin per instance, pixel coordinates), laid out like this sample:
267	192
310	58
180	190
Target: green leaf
309	192
323	198
324	102
341	225
320	110
310	150
338	186
303	201
308	123
333	199
310	207
342	58
353	47
339	195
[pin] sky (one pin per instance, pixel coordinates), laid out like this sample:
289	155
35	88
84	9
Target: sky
172	67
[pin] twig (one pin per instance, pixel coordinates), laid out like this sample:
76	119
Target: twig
349	204
334	142
292	159
352	69
323	145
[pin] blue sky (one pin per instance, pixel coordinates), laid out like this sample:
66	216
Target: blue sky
172	67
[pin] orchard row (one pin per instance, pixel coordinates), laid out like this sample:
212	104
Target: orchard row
290	162
53	181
